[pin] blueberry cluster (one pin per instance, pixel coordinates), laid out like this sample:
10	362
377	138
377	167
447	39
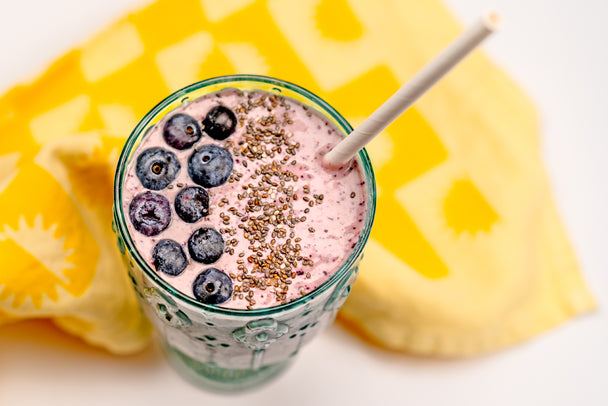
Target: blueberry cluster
208	166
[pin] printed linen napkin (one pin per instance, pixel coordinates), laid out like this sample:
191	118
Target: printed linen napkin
467	253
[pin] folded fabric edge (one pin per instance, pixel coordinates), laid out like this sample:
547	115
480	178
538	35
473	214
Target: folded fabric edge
97	336
431	344
72	327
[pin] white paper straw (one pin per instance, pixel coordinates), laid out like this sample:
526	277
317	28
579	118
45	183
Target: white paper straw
412	90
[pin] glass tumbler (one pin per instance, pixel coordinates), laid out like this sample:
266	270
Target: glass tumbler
229	350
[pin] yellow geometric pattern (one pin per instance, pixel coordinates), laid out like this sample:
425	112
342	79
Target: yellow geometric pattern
179	64
462	257
61	120
326	15
466	210
122	42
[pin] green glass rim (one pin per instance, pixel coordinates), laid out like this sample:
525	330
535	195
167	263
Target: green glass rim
325	109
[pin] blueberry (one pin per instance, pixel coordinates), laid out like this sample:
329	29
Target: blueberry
156	168
169	257
192	204
212	286
181	131
150	213
206	245
220	122
210	165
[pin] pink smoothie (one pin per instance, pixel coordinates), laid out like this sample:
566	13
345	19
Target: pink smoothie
287	222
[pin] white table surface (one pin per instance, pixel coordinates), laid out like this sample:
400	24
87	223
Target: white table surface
556	49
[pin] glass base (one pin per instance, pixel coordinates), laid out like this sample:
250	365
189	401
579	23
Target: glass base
210	377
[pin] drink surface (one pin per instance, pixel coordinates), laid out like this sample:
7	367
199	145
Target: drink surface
229	202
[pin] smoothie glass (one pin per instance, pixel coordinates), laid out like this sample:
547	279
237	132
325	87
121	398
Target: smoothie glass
222	349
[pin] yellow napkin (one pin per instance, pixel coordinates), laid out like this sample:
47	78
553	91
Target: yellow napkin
467	253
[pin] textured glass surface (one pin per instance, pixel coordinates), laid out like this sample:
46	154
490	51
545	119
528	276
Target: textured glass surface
227	349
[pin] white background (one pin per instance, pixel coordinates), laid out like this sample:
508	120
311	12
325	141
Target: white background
556	49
